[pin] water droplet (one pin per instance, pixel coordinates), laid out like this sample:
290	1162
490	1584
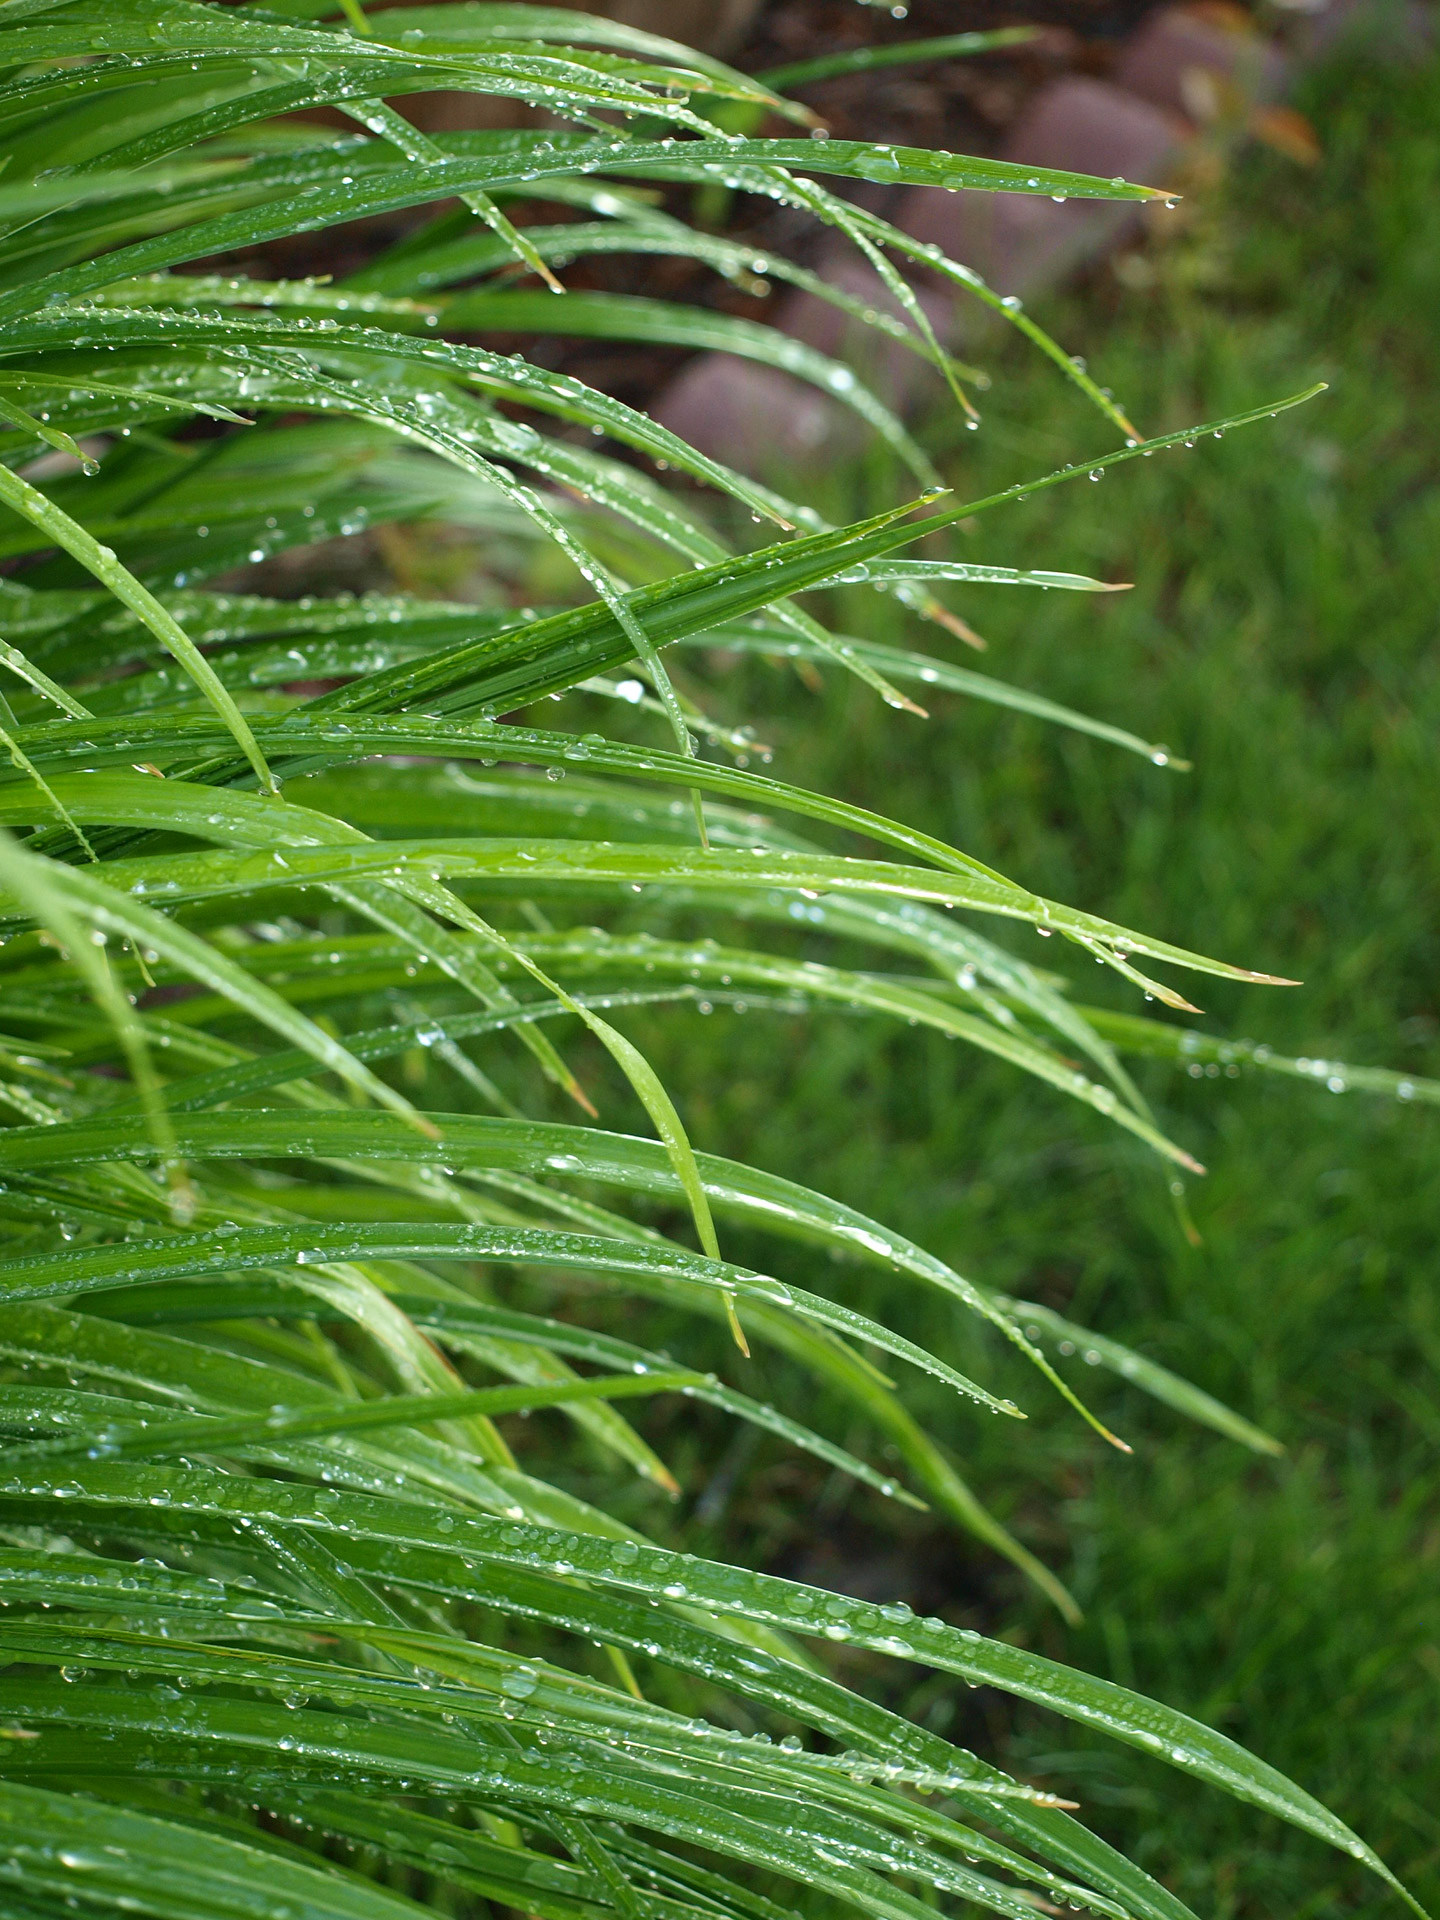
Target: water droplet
880	165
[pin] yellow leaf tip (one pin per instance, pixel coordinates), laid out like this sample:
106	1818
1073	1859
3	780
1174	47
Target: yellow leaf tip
737	1331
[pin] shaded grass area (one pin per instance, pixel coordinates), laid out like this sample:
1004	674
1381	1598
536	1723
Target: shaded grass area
1282	635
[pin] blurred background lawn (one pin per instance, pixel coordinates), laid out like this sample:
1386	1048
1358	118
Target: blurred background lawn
1281	635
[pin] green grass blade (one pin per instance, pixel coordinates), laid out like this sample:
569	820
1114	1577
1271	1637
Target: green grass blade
57	525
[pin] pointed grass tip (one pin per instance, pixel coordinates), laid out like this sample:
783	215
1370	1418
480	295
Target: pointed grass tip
1170	998
733	1321
1092	1420
905	704
936	610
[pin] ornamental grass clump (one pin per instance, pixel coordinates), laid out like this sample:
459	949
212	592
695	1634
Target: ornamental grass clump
305	1004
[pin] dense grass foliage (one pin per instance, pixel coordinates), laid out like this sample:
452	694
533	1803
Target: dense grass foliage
309	1023
1281	636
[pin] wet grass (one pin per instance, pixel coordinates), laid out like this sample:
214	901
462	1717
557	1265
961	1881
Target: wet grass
1282	635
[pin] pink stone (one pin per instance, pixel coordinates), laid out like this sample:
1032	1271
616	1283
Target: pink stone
1019	241
1161	63
895	373
1394	32
752	417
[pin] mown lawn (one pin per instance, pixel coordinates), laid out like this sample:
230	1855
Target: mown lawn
1282	635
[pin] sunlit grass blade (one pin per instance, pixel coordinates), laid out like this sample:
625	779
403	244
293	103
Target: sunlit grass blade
62	1842
1042	1323
212	1436
46	894
91	901
100	561
309	1245
948	46
1207	1054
